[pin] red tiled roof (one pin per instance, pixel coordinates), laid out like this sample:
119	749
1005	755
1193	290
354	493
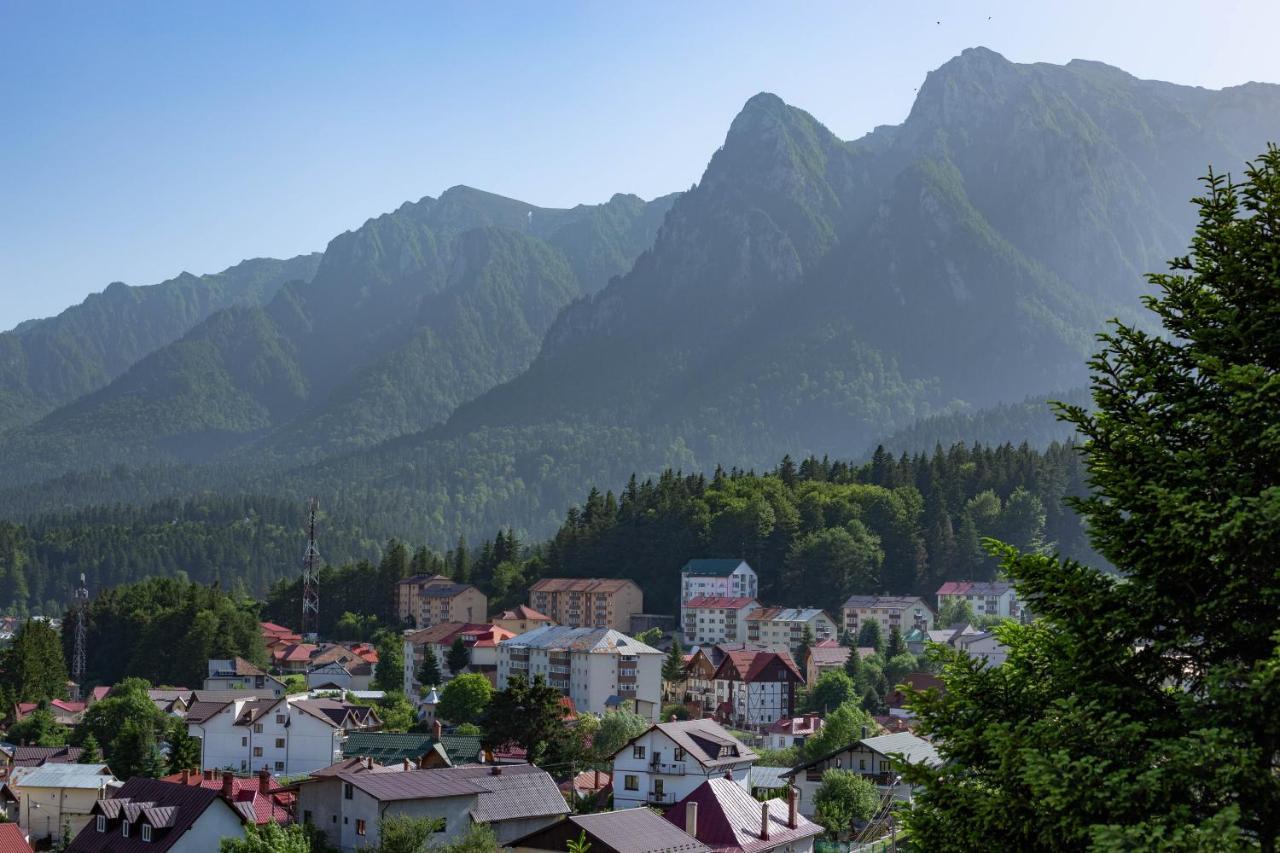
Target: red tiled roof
12	840
295	652
524	611
749	664
721	601
100	693
269	803
803	725
273	628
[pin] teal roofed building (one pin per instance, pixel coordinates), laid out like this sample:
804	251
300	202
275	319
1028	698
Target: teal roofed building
416	748
717	578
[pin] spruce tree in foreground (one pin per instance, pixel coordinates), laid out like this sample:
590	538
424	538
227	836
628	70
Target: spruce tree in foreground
1142	710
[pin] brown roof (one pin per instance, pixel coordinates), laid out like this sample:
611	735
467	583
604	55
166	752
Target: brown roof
203	711
524	611
413	784
623	831
581	585
729	819
705	740
38	756
169	807
752	664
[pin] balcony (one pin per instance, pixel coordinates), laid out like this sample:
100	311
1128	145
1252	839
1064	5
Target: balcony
660	798
667	768
560	668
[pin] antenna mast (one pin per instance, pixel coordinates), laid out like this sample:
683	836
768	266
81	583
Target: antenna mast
78	655
311	576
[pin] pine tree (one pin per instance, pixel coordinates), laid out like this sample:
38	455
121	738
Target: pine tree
33	666
458	658
91	752
134	751
388	673
896	645
806	643
184	750
429	670
870	637
673	666
853	669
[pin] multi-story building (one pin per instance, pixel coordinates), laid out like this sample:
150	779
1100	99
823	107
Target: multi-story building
426	600
986	599
288	736
239	674
904	612
521	619
756	687
480	640
720	578
782	629
671	759
711	619
588	602
600	669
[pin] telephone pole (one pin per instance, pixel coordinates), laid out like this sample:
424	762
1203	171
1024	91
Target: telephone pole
311	576
78	654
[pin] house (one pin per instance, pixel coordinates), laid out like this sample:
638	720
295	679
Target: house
341	667
36	756
293	658
277	635
151	815
589	784
266	799
288	735
480	640
670	760
904	612
725	817
896	699
792	731
57	797
65	712
765	782
240	674
871	757
514	800
13	839
722	578
426	600
997	598
588	602
754	687
782	629
827	655
711	619
435	749
623	831
984	645
522	618
598	668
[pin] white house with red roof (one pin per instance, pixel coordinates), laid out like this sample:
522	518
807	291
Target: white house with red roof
792	731
755	687
726	818
711	619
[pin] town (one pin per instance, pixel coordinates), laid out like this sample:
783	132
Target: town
575	716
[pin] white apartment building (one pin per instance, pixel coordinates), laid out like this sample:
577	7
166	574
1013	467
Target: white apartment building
712	619
904	612
986	599
721	578
289	736
665	764
781	629
600	669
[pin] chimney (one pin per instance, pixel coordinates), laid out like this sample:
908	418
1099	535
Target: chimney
228	786
864	732
764	821
497	770
368	763
208	774
791	807
186	777
264	779
596	780
408	765
691	818
422	761
436	729
728	774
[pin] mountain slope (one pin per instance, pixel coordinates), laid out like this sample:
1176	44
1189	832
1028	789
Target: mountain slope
46	363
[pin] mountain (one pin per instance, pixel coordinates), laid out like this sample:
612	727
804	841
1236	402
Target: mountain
404	318
47	363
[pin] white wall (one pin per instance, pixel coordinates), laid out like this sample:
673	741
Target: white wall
679	778
217	822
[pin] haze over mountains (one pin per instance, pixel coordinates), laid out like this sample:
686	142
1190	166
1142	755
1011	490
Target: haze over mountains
474	361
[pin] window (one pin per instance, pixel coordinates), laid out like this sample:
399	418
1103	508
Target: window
630	782
257	728
280	719
257	752
146	832
124	828
637	751
862	764
359	826
348	791
279	766
244	741
102	823
279	743
306	816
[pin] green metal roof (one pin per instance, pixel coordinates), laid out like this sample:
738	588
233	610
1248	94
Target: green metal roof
716	568
392	747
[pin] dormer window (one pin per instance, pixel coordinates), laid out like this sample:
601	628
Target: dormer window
102	823
146	832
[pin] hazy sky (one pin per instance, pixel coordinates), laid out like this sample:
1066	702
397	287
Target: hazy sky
139	139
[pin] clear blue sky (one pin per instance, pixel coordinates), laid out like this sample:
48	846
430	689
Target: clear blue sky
141	139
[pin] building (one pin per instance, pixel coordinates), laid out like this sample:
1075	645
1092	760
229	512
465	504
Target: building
782	629
419	749
671	759
521	619
426	600
725	817
598	668
871	757
64	712
274	635
151	815
997	598
792	731
624	831
260	798
904	612
480	639
289	736
755	687
719	578
515	800
828	655
239	674
58	797
588	602
984	645
13	757
711	619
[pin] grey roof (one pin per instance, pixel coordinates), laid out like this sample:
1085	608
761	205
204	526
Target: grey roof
891	602
623	831
706	742
592	640
515	795
414	784
759	776
915	749
787	614
66	776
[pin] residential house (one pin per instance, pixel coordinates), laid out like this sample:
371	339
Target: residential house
827	655
277	635
766	782
896	699
782	629
434	749
347	806
588	602
997	598
623	831
522	618
719	578
240	674
754	688
65	712
58	797
700	678
288	735
671	759
792	731
725	817
904	612
711	619
598	668
426	600
13	757
260	797
293	658
480	639
984	645
166	817
870	757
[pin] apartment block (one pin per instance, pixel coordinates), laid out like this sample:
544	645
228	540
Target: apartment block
588	602
904	612
428	600
782	629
